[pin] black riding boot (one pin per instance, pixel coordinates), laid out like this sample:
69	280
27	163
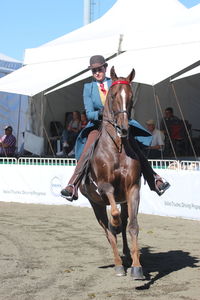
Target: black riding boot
155	182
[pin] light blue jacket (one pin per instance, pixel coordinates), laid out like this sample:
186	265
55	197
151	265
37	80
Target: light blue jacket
93	105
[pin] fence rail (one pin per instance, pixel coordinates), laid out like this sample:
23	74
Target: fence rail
41	161
46	161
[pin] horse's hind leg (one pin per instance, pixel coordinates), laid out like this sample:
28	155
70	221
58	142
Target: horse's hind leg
101	215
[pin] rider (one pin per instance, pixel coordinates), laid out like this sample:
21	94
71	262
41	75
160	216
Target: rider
94	95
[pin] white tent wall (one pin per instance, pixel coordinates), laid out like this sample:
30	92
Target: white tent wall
13	111
13	107
37	106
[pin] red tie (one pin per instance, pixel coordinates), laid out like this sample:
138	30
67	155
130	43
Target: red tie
102	88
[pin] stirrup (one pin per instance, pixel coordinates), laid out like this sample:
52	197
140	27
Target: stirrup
163	186
69	197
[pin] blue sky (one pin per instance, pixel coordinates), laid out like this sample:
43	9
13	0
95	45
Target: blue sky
31	23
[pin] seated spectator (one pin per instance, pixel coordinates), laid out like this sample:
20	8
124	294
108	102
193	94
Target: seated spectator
7	143
157	145
168	120
71	132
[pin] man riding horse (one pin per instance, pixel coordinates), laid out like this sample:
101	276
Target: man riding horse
94	96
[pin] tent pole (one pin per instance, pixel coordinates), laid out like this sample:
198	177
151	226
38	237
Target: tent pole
18	122
157	115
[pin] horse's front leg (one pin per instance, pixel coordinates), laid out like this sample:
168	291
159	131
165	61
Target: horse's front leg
133	228
107	190
119	269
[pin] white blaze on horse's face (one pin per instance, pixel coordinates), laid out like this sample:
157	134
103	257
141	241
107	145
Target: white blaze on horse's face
123	95
122	127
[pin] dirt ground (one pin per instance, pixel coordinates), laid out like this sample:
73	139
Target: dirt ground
61	253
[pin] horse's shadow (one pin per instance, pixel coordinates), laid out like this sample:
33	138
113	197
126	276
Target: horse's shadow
163	263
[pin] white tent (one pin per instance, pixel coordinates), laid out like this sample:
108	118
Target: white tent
13	107
143	25
156	37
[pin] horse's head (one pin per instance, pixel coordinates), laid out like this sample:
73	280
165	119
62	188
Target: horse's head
119	101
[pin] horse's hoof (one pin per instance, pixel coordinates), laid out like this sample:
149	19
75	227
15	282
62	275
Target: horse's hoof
126	261
119	271
137	273
114	229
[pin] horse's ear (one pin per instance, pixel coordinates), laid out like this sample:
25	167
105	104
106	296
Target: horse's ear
131	75
113	75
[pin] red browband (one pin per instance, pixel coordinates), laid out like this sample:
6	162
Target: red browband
120	82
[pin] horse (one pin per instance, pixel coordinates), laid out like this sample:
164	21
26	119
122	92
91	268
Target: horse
113	175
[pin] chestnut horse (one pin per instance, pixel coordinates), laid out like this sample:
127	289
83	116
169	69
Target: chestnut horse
113	175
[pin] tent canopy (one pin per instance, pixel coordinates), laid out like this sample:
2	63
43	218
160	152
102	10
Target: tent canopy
159	38
193	71
148	46
8	64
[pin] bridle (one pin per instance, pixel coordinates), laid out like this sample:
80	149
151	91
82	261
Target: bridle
113	122
120	82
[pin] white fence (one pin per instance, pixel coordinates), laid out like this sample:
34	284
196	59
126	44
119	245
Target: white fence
156	164
40	180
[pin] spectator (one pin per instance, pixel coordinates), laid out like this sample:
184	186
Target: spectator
175	133
157	145
168	120
7	142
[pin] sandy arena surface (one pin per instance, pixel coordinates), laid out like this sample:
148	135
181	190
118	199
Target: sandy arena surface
61	253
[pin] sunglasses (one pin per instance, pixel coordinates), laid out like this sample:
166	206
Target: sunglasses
95	70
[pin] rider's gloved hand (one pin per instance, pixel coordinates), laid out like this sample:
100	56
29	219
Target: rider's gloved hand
100	114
